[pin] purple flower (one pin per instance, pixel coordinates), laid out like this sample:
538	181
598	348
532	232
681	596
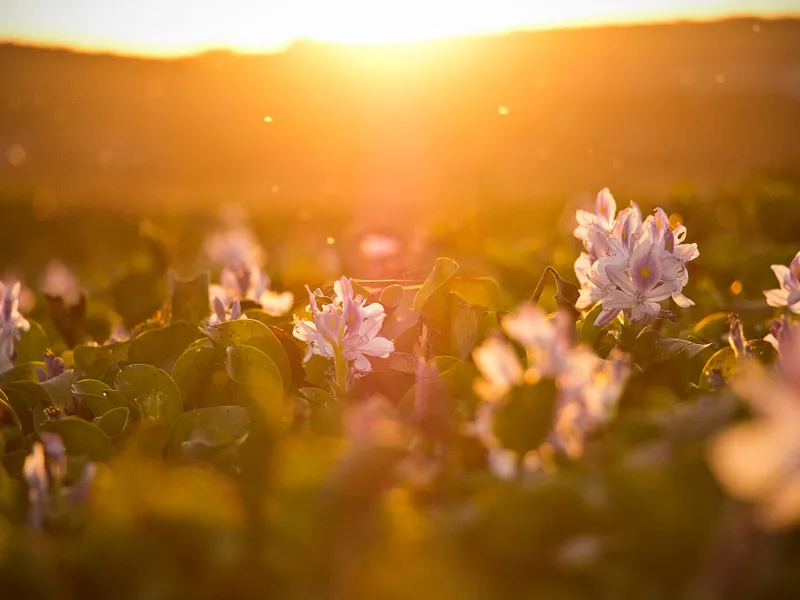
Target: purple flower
53	367
222	315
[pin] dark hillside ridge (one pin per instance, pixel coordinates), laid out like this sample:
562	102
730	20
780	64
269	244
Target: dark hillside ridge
644	107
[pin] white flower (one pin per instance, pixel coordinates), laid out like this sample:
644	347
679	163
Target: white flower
759	460
11	323
789	292
348	325
251	283
500	367
544	338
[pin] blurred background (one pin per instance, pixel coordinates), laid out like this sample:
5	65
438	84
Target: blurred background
468	128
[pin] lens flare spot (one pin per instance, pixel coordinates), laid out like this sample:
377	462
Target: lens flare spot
331	241
736	288
675	219
16	155
502	110
267	119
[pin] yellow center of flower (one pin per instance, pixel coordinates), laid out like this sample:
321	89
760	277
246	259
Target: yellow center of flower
645	272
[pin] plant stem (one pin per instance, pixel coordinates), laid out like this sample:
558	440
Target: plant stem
340	365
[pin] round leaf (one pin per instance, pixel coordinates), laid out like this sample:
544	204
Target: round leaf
10	426
162	347
114	422
230	423
152	391
81	437
523	422
248	332
32	344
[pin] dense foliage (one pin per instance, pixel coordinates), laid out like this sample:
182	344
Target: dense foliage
214	437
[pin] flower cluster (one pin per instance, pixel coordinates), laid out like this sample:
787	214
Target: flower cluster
629	264
250	283
345	328
11	324
587	386
242	277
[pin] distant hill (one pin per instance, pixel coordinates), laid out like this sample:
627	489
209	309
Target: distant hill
641	108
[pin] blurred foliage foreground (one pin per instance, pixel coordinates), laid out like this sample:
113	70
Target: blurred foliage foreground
166	437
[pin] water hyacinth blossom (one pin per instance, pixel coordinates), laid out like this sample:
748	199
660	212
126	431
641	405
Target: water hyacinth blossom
53	367
631	265
12	323
345	329
251	283
222	314
588	387
788	294
759	460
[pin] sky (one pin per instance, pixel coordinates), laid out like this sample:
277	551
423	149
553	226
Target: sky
176	27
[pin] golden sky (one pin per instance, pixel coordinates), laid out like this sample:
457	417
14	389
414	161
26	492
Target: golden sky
170	27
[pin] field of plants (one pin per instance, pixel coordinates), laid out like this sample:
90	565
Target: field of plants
594	398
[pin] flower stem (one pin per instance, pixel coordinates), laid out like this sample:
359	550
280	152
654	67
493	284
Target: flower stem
340	365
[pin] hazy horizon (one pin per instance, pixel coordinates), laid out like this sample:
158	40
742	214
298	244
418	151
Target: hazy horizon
165	29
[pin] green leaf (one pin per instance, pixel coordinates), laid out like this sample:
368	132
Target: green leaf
725	364
317	396
442	272
713	328
523	422
590	333
229	423
256	383
98	396
95	361
152	390
59	389
162	347
114	422
249	366
81	437
32	344
763	351
444	363
189	298
194	374
392	296
247	332
24	397
652	347
22	372
10	426
463	327
478	291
